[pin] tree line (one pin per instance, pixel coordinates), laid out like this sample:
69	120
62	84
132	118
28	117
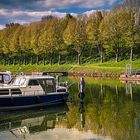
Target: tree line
102	36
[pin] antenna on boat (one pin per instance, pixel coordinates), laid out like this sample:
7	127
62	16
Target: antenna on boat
57	80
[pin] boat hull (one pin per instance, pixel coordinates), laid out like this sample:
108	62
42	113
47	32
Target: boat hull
24	102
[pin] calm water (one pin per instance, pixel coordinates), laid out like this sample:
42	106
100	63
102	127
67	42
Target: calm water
111	110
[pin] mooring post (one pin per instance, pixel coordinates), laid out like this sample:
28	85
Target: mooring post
81	94
82	85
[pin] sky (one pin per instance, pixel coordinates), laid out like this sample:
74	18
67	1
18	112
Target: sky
26	11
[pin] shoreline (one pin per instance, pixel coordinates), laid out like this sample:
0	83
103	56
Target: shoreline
89	70
94	74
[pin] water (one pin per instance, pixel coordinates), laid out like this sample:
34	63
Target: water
111	110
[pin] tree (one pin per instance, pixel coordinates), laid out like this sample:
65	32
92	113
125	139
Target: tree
35	34
133	28
14	47
75	34
112	30
93	32
79	37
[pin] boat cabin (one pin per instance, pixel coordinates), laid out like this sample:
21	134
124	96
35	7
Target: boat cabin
29	85
36	83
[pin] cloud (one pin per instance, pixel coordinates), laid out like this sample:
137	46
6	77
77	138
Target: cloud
62	4
2	26
53	4
25	11
22	17
10	13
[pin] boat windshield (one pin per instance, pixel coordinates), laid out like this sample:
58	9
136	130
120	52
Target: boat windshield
20	81
5	78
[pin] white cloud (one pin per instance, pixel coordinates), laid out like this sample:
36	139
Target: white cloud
2	26
49	7
62	4
3	12
23	17
18	13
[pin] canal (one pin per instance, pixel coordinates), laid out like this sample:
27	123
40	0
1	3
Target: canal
109	111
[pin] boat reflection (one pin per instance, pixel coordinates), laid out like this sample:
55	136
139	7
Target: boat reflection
22	123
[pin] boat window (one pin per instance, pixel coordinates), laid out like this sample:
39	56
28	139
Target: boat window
1	78
33	83
16	91
48	85
7	78
4	91
20	81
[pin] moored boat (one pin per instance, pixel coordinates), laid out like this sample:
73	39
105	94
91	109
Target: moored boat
28	91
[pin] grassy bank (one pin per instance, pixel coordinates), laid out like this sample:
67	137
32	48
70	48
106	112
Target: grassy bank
88	69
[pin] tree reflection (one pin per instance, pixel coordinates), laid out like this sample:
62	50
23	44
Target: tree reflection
109	110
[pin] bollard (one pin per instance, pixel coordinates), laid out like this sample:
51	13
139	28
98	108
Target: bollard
81	94
82	85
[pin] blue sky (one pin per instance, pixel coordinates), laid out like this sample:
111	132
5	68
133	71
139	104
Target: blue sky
26	11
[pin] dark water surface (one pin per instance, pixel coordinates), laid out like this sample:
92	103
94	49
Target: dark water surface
111	110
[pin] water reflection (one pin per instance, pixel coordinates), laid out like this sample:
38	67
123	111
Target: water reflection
20	124
82	114
109	110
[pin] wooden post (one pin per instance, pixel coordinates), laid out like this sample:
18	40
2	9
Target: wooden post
81	94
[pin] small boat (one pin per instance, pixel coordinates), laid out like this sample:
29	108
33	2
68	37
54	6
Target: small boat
28	91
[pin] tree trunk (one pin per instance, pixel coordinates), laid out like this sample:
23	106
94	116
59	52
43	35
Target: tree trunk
101	54
117	55
51	56
14	61
131	54
5	60
20	60
31	59
66	59
100	48
79	54
101	57
51	59
44	55
37	59
24	60
59	59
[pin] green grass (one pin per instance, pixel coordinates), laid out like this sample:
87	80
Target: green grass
112	67
34	68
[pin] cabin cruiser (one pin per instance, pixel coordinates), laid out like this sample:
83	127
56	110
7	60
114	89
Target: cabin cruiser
27	91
